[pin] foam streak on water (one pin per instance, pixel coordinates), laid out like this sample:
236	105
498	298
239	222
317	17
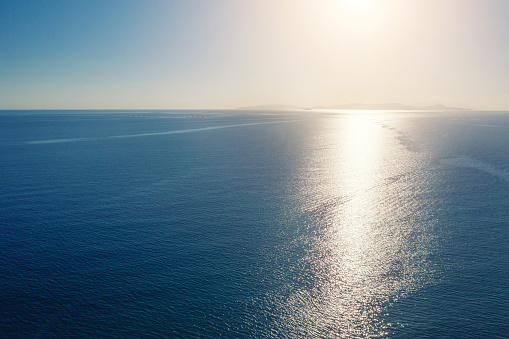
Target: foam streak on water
192	130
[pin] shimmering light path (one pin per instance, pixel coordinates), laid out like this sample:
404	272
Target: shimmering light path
368	239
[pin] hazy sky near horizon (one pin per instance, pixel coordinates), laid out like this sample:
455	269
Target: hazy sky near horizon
228	53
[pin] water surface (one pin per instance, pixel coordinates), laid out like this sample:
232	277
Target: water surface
254	224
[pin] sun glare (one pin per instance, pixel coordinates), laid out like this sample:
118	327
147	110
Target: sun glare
356	6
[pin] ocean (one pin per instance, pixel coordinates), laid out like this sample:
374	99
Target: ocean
254	224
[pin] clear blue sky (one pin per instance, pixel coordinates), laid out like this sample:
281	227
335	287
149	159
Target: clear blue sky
229	53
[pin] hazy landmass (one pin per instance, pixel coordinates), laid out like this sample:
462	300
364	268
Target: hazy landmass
270	107
393	106
361	106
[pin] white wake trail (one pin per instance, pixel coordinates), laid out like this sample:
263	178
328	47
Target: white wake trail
192	130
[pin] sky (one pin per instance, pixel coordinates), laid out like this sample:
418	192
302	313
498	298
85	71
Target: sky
217	54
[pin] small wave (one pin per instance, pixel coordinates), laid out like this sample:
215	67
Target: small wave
468	162
480	125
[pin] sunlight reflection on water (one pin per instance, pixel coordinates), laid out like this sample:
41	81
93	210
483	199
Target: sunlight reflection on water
368	247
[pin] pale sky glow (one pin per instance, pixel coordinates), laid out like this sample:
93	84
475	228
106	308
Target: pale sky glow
229	53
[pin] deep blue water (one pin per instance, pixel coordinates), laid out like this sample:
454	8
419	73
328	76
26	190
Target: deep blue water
254	224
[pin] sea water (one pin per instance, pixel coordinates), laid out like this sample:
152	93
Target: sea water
254	224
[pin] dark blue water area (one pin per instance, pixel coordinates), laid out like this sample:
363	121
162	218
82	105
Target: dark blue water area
470	299
254	224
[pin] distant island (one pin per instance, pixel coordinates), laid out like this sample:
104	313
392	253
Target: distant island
270	107
361	106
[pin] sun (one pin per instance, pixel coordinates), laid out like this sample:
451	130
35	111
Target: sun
356	7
